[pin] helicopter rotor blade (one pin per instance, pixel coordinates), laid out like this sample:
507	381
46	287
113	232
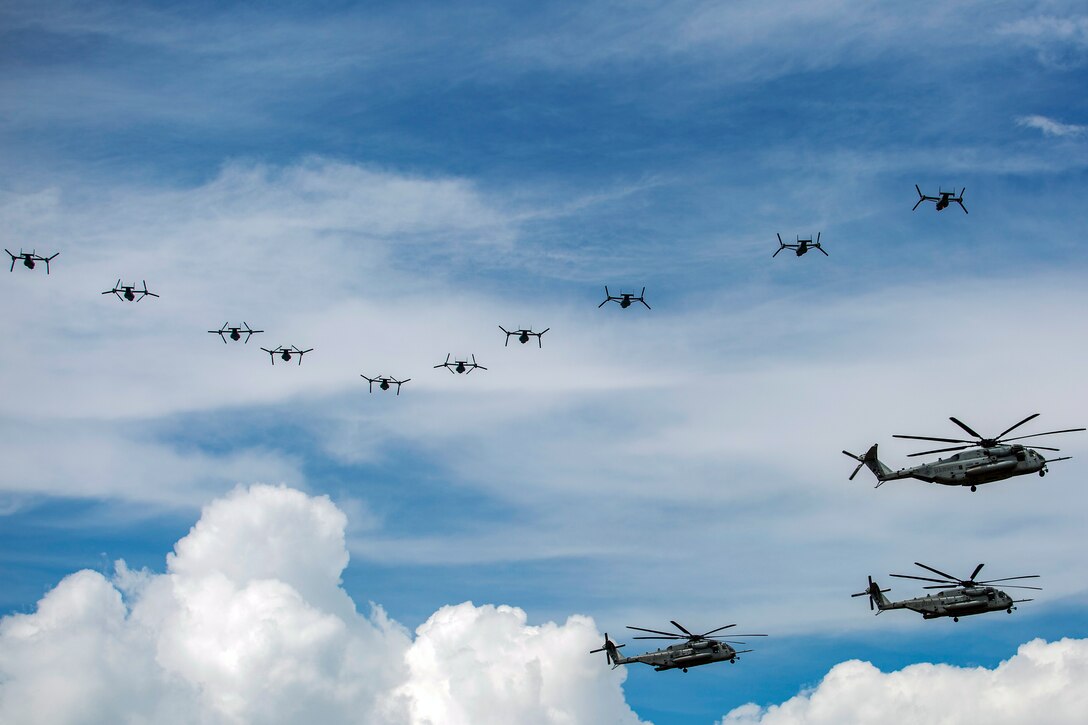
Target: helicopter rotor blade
1048	433
932	438
1010	578
926	579
719	629
655	631
858	468
1011	429
671	639
679	626
1046	448
967	428
939	450
975	572
1021	586
937	571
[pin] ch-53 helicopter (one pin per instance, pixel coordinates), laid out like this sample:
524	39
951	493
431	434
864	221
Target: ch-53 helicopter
698	649
943	198
995	459
965	598
625	299
801	247
30	259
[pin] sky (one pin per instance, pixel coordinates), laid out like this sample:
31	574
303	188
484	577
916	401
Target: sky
190	534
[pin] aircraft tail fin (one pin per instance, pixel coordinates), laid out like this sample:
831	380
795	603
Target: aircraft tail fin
870	459
877	600
611	651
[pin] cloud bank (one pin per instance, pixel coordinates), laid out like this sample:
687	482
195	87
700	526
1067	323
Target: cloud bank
249	623
1043	682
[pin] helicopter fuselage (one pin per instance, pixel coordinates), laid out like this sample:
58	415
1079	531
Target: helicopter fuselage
683	656
977	466
956	603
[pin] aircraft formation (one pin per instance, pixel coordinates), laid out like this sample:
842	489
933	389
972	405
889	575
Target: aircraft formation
975	461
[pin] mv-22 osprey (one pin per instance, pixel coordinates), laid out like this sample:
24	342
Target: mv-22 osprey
698	649
965	598
994	459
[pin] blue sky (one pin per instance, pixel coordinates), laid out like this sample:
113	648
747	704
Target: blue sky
389	183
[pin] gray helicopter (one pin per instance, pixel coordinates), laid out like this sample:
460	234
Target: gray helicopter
993	459
697	649
967	596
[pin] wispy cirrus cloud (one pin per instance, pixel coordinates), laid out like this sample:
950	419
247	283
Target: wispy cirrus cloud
1050	127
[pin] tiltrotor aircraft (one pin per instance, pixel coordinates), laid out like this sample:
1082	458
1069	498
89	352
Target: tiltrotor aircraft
993	459
460	366
697	649
128	292
524	335
625	298
286	353
235	333
384	382
965	598
30	259
943	199
801	247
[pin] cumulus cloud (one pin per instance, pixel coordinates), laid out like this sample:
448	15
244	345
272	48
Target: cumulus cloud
1050	127
1042	682
249	623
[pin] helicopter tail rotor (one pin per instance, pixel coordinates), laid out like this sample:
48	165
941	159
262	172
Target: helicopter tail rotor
611	650
882	472
877	600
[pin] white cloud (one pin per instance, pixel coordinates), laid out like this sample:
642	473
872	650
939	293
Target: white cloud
1043	682
1060	42
249	624
1050	127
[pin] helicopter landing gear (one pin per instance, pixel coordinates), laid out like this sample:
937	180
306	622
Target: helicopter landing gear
685	669
733	661
955	619
973	489
1042	472
1009	610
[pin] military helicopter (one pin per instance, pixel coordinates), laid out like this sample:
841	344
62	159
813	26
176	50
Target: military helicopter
625	299
801	247
995	460
235	332
698	649
30	259
129	292
943	198
285	353
524	335
965	598
385	381
460	366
